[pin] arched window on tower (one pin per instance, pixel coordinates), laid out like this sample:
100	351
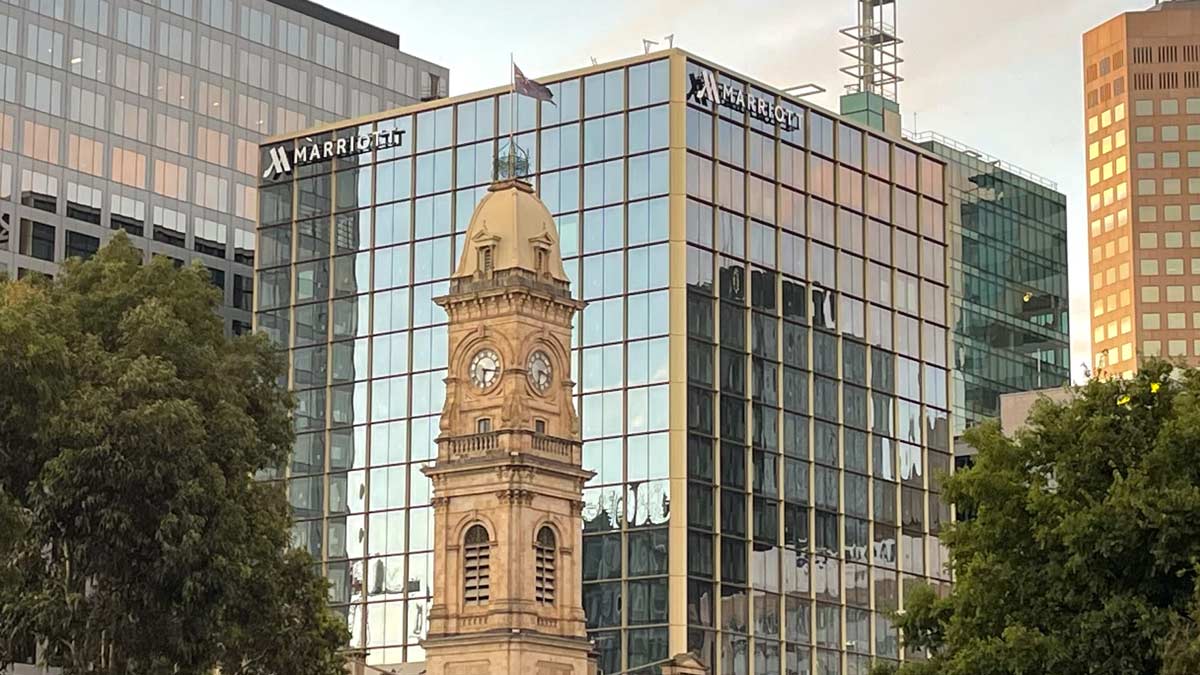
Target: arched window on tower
544	565
476	566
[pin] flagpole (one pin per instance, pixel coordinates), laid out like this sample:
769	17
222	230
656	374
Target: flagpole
512	114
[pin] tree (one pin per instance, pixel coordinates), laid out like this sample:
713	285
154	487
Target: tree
131	430
1082	554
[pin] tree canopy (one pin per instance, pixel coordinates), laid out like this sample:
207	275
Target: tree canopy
1082	554
133	535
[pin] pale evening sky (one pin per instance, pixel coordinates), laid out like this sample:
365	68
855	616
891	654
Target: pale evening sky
1003	77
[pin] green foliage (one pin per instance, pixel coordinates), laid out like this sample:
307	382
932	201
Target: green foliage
130	432
1182	653
1082	556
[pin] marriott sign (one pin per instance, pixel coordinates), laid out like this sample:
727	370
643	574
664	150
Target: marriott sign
284	159
705	89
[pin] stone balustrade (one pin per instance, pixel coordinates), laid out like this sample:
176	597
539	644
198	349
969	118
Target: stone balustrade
505	442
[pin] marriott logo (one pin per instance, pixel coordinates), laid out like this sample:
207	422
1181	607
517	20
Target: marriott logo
283	159
705	89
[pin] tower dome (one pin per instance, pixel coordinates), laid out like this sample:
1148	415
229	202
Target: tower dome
511	229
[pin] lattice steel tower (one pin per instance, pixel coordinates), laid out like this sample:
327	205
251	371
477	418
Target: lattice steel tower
872	95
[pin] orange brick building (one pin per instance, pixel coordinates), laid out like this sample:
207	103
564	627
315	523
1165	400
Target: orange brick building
1142	108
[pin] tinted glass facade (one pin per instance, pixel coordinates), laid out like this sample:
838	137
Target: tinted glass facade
146	117
1008	265
761	367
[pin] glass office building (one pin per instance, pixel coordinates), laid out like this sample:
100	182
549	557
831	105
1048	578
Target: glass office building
761	367
1010	311
146	117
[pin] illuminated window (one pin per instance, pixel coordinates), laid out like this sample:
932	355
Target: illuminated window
212	146
170	179
40	141
129	167
85	155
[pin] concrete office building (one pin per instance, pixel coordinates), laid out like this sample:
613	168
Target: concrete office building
1142	103
761	366
146	117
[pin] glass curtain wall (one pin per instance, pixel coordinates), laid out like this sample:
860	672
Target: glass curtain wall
354	251
817	387
816	363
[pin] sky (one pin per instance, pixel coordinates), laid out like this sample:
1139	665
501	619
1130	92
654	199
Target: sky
1003	77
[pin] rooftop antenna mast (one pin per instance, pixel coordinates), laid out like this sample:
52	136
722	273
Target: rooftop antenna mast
875	50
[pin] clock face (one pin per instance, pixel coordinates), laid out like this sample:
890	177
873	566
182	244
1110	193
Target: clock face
539	371
485	368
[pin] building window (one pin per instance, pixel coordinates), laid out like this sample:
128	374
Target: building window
544	565
476	565
483	425
80	245
243	293
539	426
37	240
485	259
541	261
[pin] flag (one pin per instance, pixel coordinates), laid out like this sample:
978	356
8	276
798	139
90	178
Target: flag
531	88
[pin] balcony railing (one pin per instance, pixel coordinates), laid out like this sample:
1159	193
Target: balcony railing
503	442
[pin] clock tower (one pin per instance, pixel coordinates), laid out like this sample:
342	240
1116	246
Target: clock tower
508	479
